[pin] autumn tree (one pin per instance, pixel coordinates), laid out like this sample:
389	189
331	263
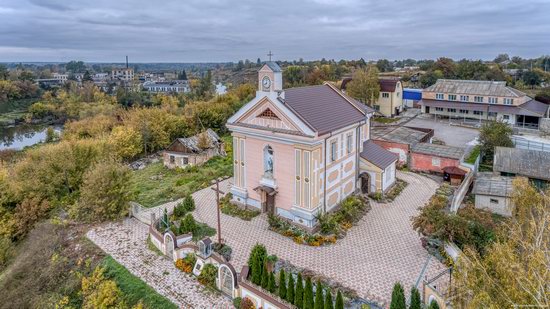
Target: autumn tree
203	141
104	194
515	269
100	292
365	85
126	142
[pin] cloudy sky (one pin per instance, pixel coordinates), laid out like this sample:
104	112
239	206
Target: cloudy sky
229	30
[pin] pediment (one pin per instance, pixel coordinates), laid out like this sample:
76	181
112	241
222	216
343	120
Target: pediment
266	114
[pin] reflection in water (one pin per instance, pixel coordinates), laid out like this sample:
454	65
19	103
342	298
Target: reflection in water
23	135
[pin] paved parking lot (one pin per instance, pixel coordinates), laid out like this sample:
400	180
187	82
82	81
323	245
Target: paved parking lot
451	135
381	250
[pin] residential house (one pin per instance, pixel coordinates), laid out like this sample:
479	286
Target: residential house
193	150
390	99
493	193
299	152
482	100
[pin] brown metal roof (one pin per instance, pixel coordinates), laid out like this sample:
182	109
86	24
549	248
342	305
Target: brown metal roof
388	85
377	155
324	108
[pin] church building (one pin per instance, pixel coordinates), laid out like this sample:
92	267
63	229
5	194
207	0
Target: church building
299	152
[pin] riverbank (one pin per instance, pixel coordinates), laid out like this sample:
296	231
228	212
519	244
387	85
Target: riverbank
14	112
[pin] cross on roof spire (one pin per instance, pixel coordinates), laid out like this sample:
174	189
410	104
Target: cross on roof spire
269	55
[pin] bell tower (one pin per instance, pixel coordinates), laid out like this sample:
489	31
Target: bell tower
270	77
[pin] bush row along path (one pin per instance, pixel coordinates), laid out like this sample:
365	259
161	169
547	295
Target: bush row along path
381	250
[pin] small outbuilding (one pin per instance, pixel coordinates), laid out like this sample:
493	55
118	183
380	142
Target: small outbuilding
454	175
493	193
533	164
377	168
432	158
193	150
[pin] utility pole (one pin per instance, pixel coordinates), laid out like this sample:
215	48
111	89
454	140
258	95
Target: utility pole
218	191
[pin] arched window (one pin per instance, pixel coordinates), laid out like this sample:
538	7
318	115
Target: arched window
268	161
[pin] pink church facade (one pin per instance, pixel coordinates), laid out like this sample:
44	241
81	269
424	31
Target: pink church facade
297	152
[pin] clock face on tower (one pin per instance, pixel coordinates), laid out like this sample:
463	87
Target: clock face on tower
266	83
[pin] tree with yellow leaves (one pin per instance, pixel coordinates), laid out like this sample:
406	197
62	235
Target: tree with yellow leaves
365	86
515	270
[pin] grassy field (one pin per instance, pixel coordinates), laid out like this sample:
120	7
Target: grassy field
156	184
133	288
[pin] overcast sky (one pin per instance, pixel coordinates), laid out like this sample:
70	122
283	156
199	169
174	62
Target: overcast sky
229	30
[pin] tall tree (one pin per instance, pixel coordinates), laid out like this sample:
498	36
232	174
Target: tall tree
282	284
87	77
515	270
398	297
415	299
365	85
299	294
265	276
272	286
319	297
290	291
328	300
308	294
339	301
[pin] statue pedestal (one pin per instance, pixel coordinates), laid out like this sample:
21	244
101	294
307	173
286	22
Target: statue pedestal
269	181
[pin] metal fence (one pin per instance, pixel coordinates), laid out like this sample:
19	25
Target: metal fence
523	143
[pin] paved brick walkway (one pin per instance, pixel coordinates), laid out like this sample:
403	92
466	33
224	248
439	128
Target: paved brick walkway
126	242
379	251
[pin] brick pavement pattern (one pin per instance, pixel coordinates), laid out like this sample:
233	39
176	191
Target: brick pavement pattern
381	250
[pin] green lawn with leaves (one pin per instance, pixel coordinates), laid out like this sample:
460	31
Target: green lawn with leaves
385	120
156	184
134	289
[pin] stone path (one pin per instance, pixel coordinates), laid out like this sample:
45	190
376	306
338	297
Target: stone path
381	250
126	242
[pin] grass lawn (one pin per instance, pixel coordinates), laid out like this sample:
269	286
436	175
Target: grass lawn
385	120
472	157
155	184
133	288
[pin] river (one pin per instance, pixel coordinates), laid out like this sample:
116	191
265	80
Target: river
23	135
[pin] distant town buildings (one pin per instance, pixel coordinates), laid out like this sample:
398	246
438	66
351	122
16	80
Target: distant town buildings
177	86
124	74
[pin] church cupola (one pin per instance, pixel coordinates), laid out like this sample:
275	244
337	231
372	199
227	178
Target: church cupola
270	77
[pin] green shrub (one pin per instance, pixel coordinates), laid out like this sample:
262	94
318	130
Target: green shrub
6	251
339	301
208	275
188	203
223	250
282	284
187	225
308	294
265	276
299	294
398	297
272	286
179	211
319	296
237	302
256	261
290	291
415	299
328	300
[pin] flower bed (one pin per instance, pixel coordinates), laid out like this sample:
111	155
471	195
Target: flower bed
186	264
394	192
332	226
233	210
